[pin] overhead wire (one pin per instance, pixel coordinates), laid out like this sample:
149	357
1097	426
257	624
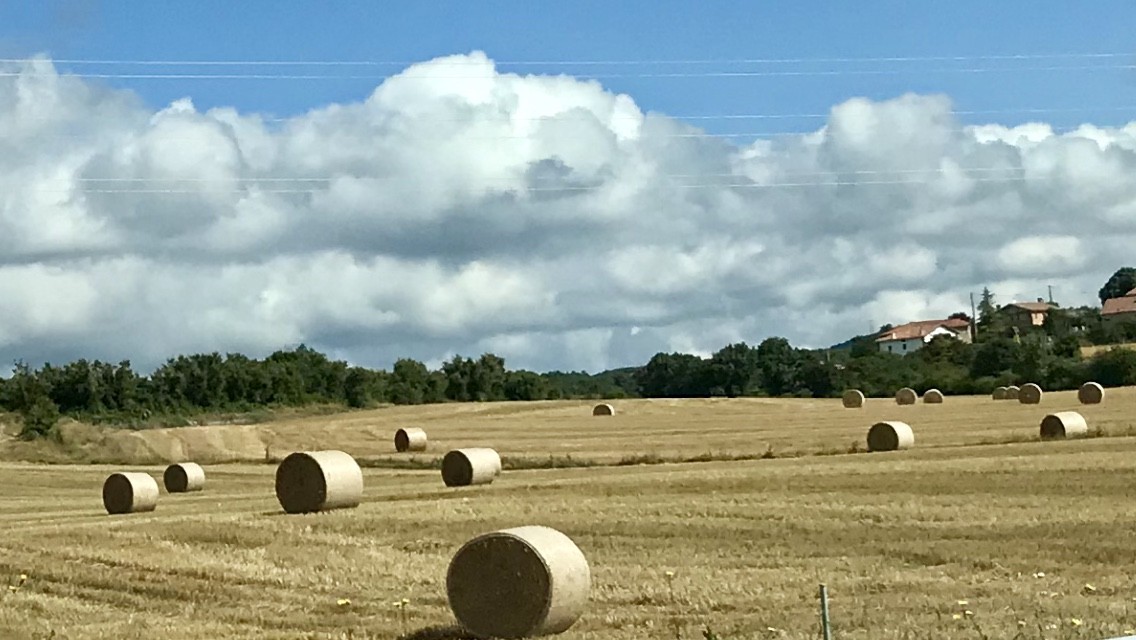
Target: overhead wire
562	117
326	179
562	188
693	117
450	61
601	76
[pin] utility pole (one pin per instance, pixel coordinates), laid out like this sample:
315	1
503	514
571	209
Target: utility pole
973	319
1050	294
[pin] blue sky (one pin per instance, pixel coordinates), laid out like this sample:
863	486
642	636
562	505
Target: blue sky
584	30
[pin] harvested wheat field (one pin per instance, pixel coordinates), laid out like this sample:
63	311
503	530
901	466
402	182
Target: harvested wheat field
980	516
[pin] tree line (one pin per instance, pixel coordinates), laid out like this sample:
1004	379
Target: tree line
187	385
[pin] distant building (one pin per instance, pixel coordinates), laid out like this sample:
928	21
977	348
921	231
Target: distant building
1119	310
910	337
1027	316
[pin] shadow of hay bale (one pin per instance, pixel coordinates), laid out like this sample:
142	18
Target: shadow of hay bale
452	632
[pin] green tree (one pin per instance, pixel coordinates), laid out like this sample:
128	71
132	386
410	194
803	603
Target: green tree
459	377
820	377
994	358
525	385
409	379
1114	368
1121	282
1033	358
879	374
733	368
674	375
435	390
990	323
30	396
778	362
865	345
943	350
487	381
357	388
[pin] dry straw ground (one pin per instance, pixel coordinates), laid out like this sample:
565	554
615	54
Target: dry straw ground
979	531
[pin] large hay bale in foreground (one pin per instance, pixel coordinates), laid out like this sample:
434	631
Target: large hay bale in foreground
310	481
1030	393
184	477
476	465
890	436
906	395
130	492
518	583
853	399
603	409
409	439
1090	393
1064	424
999	393
933	396
1012	392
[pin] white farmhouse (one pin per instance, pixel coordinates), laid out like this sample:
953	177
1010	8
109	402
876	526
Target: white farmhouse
913	335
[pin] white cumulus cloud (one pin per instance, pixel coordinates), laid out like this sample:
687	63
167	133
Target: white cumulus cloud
459	209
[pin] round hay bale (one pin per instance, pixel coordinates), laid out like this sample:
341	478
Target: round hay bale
1063	424
890	436
906	395
310	481
464	467
603	409
853	399
184	477
999	393
409	439
1030	393
1012	392
933	396
130	492
1090	393
518	583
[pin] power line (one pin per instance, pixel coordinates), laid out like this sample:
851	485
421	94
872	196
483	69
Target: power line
573	188
743	116
605	76
630	62
149	134
285	179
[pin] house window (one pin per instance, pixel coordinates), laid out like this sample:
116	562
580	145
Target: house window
889	348
905	346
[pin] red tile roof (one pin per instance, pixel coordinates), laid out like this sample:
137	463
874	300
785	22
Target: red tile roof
1123	304
920	329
